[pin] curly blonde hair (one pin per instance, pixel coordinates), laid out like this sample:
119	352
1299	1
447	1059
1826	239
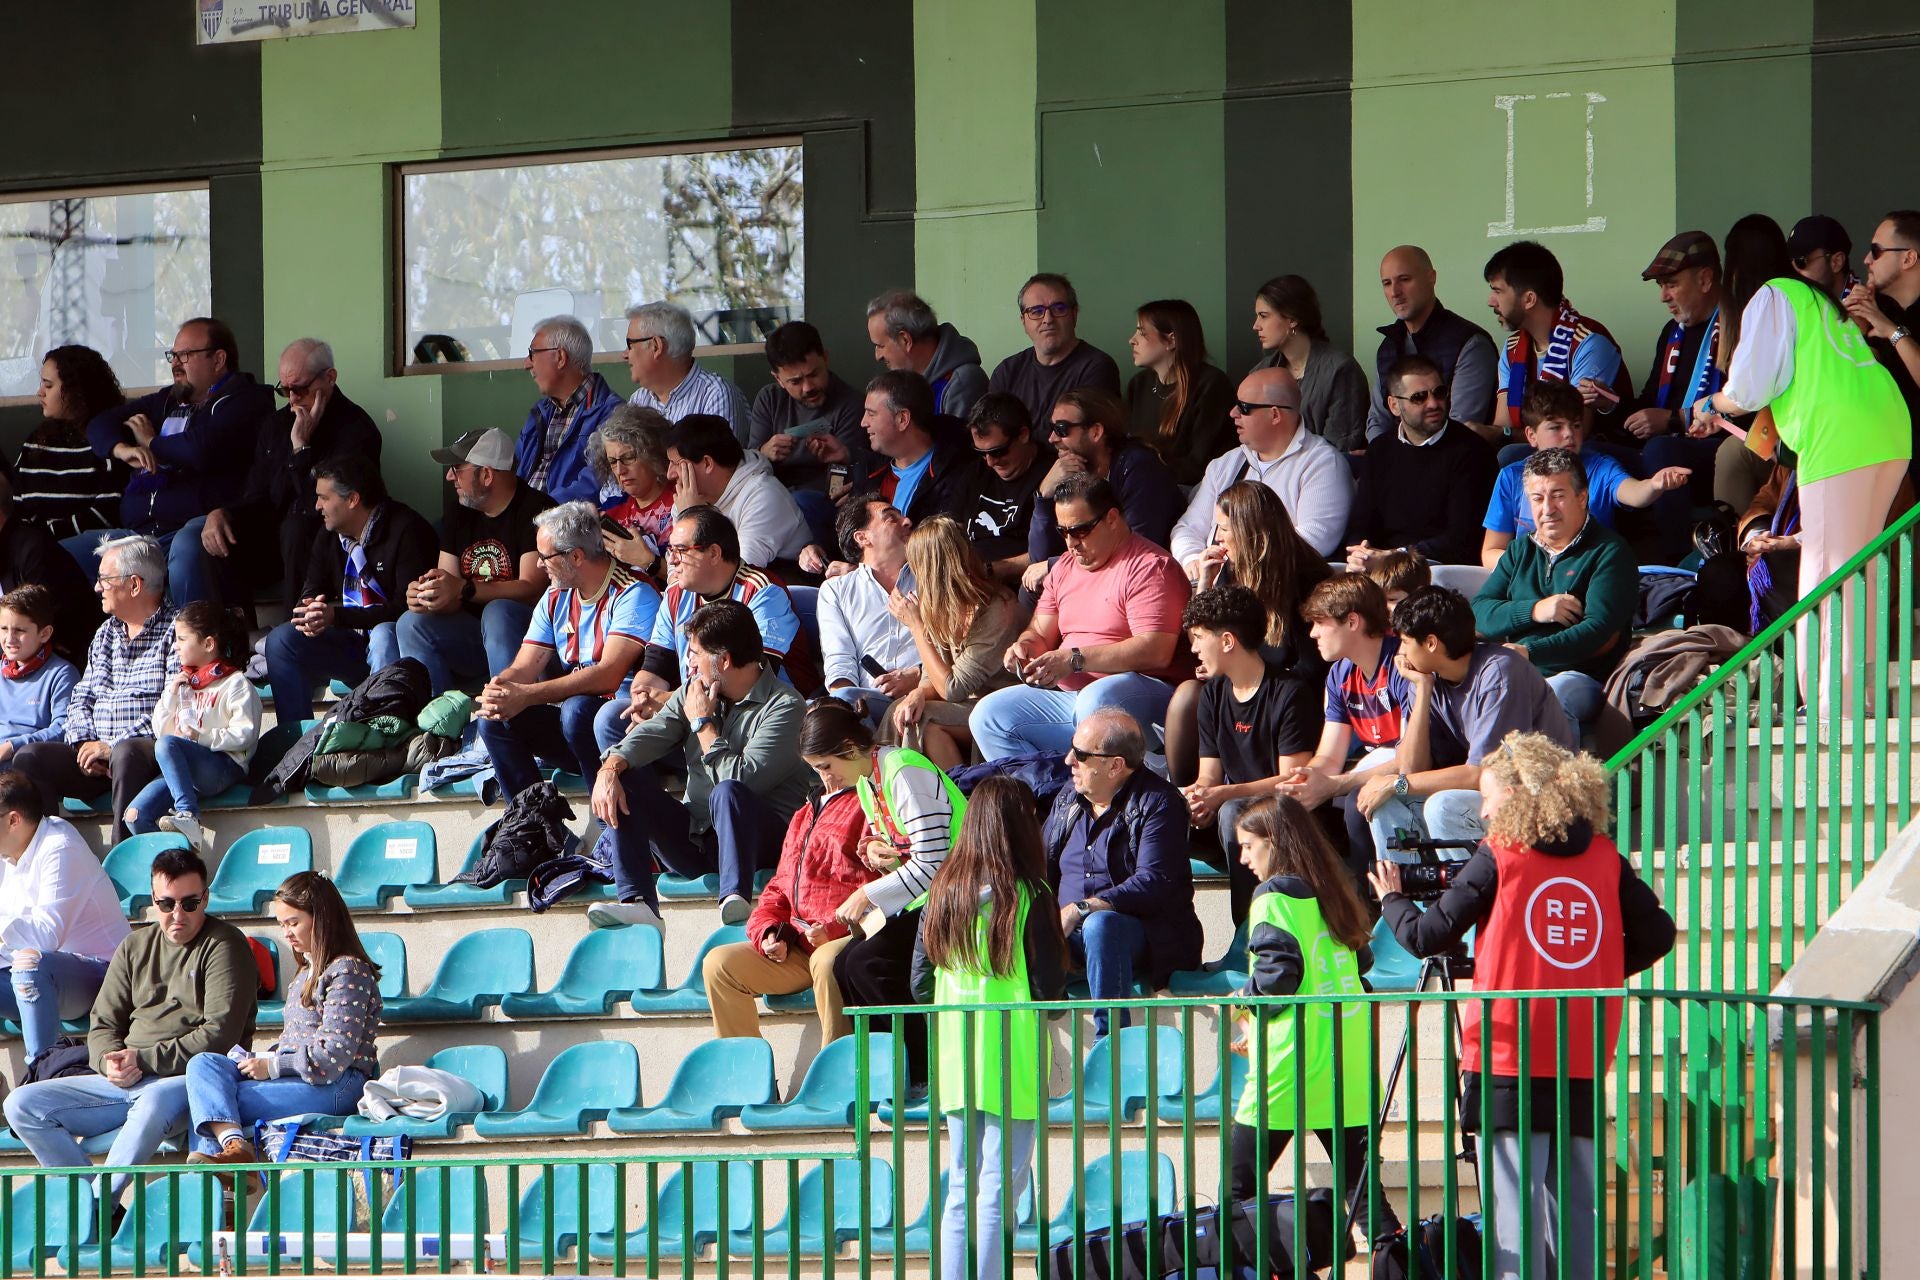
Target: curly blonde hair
1551	789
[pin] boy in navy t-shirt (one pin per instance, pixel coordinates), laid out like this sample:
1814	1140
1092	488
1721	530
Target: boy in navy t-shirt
1555	416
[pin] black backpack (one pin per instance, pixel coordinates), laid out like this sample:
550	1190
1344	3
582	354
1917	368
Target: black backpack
532	831
1393	1256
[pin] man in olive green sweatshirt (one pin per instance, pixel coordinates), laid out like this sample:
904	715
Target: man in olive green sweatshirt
186	985
1564	596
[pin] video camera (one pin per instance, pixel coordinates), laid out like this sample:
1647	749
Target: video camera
1427	879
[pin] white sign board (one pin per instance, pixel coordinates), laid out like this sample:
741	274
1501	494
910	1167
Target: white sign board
238	21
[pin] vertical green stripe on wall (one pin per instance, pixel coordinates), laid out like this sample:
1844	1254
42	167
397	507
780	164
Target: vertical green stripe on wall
1434	161
336	110
976	232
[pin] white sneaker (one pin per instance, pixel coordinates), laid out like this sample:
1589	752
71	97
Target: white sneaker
734	909
609	915
187	825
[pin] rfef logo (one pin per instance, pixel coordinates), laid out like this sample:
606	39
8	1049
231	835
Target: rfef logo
1564	924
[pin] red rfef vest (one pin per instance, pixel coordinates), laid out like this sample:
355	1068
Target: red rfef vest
1555	926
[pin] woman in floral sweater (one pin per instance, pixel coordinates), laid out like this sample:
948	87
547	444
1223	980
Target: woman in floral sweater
325	1053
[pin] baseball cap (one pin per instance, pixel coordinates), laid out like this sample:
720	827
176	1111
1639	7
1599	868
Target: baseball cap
489	448
1688	249
1817	233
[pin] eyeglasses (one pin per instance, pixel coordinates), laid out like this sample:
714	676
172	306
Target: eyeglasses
1060	427
180	357
1080	755
687	549
996	453
1421	397
534	351
106	578
1875	250
188	906
621	459
551	555
1247	407
1040	311
651	337
1078	531
288	390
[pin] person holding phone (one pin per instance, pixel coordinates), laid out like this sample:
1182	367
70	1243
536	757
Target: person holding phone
629	455
866	654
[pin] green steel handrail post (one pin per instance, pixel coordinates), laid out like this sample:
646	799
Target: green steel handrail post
1843	1127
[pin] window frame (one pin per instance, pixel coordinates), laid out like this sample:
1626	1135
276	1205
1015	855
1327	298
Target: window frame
36	195
399	354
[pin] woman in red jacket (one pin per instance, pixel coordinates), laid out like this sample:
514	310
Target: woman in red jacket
792	936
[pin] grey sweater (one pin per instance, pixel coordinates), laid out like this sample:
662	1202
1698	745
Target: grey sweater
336	1035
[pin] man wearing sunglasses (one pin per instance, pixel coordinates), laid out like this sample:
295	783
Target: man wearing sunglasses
1088	429
1821	248
1885	305
1425	486
997	497
189	447
186	985
1058	361
268	532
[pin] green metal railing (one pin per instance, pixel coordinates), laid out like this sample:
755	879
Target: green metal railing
1708	1159
1757	801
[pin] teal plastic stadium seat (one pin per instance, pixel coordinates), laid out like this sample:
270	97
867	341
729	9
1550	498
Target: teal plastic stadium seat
1203	870
253	867
1098	1188
388	951
581	1085
159	1196
464	895
672	1226
480	969
808	1212
605	967
383	860
566	1226
63	1197
691	995
424	1196
668	885
1227	975
129	865
715	1081
399	788
1206	1103
84	808
1097	1087
825	1099
1394	968
918	1235
483	1065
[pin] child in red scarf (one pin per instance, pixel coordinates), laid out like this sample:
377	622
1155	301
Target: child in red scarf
34	683
205	725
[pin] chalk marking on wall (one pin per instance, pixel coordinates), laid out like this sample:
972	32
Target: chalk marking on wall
1508	102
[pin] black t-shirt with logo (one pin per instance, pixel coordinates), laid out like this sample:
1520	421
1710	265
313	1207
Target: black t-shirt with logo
488	548
996	513
1283	717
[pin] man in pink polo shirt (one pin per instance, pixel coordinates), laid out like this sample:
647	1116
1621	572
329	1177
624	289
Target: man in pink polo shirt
1106	633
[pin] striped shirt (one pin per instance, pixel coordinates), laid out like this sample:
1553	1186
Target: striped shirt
700	392
920	812
115	698
63	483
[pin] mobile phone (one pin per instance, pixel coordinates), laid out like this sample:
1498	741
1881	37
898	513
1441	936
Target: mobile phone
871	665
839	480
801	430
614	527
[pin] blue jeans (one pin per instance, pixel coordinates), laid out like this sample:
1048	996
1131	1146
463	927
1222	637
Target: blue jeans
658	829
1455	815
610	722
60	986
187	579
52	1115
187	772
1110	946
456	647
984	1146
218	1094
562	735
1581	696
1021	719
298	663
870	703
1395	814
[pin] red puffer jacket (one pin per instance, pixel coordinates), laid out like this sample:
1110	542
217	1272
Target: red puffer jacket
819	866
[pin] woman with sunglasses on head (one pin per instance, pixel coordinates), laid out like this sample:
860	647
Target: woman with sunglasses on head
1178	404
1333	387
325	1053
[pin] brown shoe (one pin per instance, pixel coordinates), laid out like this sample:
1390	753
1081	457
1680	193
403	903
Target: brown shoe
235	1150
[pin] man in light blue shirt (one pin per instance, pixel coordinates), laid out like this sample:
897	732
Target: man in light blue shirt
660	344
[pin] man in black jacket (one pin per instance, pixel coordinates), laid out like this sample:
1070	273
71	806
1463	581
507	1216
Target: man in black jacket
1424	485
356	587
268	531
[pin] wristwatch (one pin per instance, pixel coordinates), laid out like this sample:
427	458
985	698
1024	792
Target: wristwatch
1899	332
1078	662
1400	786
467	588
704	721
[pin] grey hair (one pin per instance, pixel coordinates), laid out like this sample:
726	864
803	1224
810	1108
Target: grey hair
1556	462
668	321
573	526
906	312
138	556
1120	735
568	334
317	354
642	430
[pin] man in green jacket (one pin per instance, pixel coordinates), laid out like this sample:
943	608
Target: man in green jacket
1563	596
185	985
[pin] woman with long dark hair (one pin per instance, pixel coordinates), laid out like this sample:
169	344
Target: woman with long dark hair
990	934
1178	404
325	1053
61	481
1333	387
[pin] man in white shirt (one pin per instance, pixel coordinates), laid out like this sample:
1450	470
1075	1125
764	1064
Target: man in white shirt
857	626
60	917
709	468
660	358
1310	477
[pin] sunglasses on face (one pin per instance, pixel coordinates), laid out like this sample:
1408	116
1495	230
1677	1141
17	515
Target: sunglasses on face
1078	531
1421	397
1246	407
288	390
996	453
1060	427
188	905
1080	756
1875	250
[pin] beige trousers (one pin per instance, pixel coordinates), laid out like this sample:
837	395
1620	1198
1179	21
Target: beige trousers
740	973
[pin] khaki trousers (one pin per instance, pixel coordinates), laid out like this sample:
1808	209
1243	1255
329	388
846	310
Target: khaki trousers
739	973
